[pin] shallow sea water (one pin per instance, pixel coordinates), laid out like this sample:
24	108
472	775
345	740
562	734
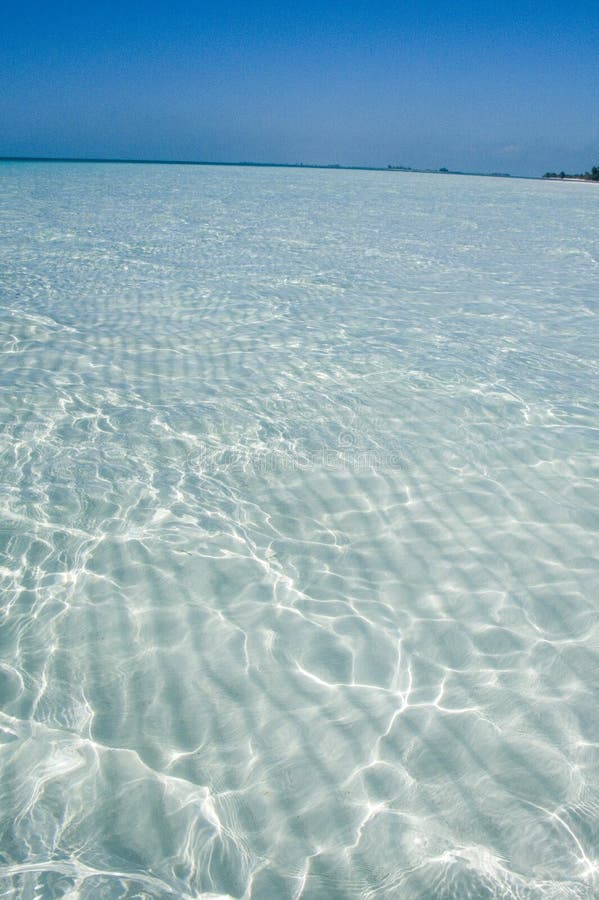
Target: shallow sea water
298	534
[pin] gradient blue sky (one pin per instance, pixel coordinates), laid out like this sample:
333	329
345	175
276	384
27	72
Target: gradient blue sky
477	86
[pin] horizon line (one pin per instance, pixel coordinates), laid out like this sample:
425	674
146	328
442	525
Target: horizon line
273	165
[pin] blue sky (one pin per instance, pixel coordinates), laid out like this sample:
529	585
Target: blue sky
476	86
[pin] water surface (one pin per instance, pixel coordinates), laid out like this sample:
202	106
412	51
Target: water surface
298	534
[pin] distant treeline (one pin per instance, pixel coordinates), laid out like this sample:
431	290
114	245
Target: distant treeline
593	175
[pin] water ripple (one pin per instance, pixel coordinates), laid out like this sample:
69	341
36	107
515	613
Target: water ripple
298	535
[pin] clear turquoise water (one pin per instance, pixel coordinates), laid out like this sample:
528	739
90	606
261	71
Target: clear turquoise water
298	534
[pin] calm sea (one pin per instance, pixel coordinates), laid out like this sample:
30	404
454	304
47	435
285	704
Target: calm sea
299	508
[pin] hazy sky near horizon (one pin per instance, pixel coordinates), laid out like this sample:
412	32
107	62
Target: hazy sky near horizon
512	87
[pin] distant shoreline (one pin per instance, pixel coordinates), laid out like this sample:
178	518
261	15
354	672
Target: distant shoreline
260	165
569	178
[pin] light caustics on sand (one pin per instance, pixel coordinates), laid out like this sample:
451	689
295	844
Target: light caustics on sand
298	535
